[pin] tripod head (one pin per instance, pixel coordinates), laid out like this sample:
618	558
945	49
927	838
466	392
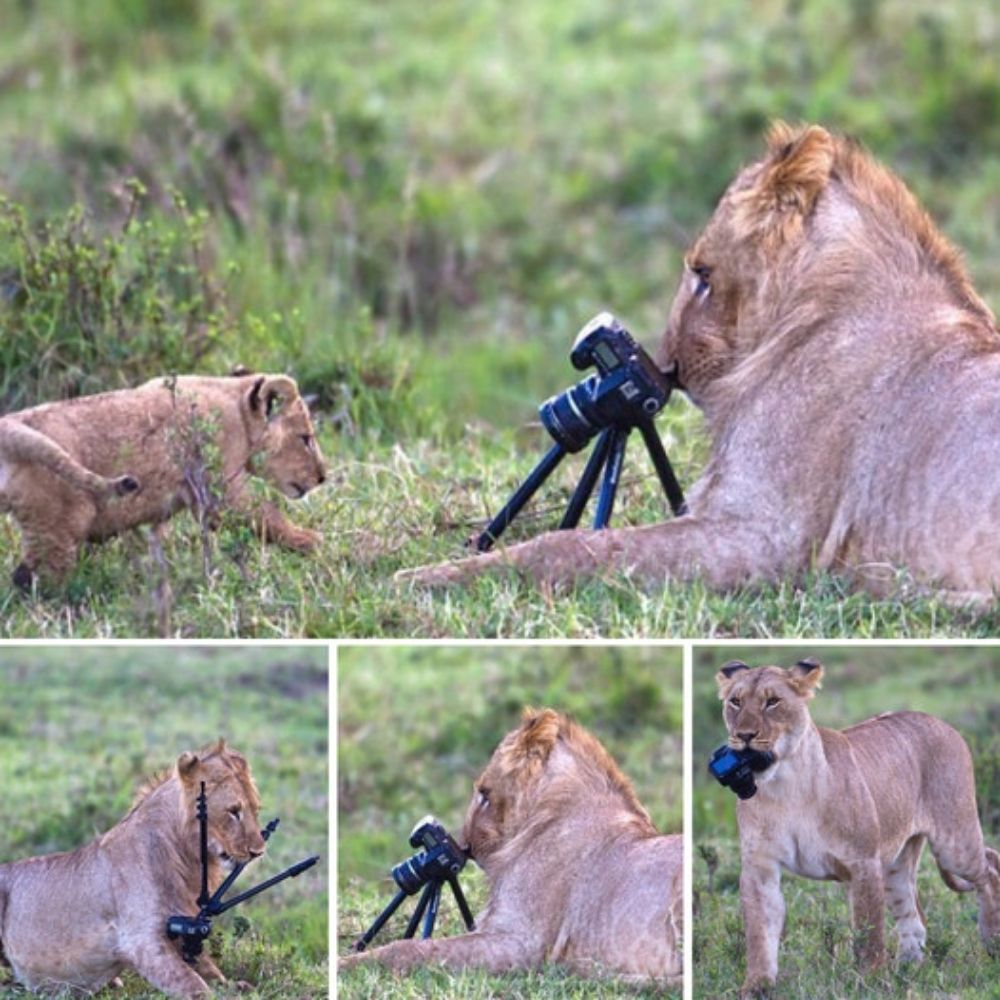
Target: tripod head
192	931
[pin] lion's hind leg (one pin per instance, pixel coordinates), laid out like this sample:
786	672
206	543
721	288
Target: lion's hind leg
901	895
967	865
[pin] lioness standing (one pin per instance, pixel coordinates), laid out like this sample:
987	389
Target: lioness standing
854	806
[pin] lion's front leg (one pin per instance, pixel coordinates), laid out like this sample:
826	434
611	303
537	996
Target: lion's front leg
723	551
866	892
494	952
162	966
269	522
763	918
208	970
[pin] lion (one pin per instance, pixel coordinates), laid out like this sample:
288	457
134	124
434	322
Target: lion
849	377
578	874
89	468
74	921
855	806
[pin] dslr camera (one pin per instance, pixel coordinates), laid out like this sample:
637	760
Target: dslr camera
735	769
441	858
627	390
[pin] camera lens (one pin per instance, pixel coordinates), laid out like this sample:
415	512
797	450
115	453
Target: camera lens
565	416
410	875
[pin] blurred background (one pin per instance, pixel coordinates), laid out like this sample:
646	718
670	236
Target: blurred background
416	726
414	208
82	728
958	684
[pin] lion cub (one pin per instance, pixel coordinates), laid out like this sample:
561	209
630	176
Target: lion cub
74	921
854	806
87	469
578	874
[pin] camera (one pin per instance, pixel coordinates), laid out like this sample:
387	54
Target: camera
440	859
735	768
627	390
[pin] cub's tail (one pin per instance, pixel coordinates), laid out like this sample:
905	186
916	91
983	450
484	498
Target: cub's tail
21	443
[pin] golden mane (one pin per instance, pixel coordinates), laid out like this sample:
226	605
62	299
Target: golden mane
207	752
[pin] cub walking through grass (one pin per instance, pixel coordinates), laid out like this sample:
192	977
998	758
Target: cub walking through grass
578	874
854	806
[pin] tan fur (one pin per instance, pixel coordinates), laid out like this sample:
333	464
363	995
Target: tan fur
854	806
850	379
578	874
74	921
65	466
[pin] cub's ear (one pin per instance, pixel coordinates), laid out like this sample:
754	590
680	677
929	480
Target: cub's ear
727	672
806	676
187	766
538	734
798	169
268	391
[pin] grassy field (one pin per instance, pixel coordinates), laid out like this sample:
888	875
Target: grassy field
82	728
413	212
417	724
960	685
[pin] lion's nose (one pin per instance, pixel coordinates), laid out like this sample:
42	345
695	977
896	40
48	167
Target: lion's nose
255	852
746	737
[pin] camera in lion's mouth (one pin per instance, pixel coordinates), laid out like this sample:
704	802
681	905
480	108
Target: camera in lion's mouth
735	769
626	393
437	864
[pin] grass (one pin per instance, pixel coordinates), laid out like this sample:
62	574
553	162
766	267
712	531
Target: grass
81	728
960	685
416	724
413	214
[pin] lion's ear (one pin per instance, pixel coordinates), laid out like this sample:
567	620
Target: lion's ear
806	676
726	674
268	392
798	170
187	766
539	732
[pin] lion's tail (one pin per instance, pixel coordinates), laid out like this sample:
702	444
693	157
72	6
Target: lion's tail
21	443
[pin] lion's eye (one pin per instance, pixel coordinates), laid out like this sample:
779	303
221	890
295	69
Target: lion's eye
771	702
307	440
735	702
484	797
702	284
235	811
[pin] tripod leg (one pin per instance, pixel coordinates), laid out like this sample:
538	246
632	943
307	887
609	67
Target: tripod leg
612	476
366	938
658	456
425	898
520	497
463	906
432	910
588	480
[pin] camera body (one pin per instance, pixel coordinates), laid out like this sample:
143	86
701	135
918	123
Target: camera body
735	769
440	859
627	389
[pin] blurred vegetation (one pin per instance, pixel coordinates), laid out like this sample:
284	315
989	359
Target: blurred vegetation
417	724
81	728
958	684
413	209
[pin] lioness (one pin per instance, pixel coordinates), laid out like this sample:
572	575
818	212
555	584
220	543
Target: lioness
578	874
89	468
854	806
74	921
850	379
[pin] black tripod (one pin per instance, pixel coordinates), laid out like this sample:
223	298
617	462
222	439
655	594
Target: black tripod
193	930
427	907
608	454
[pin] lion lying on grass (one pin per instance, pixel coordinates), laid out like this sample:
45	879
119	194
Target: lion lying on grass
86	469
578	874
850	378
74	921
854	806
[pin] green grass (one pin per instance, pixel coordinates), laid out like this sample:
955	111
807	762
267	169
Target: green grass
416	724
413	212
81	728
958	684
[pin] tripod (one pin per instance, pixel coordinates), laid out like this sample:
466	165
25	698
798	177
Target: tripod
427	907
193	930
608	454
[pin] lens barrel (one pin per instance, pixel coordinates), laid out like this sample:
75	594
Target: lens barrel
565	416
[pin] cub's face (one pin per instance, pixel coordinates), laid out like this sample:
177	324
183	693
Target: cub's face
766	708
290	456
493	803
